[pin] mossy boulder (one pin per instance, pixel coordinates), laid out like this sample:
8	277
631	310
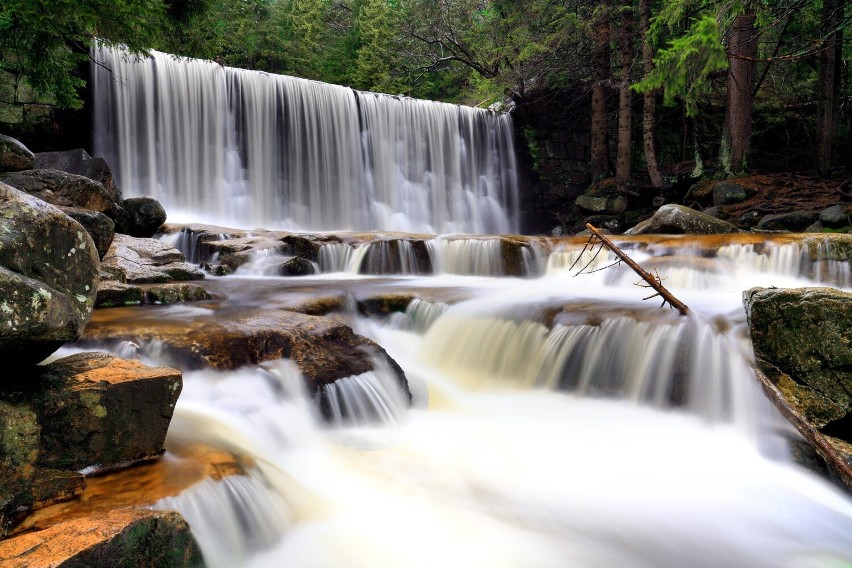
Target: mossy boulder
100	227
48	278
62	188
803	340
98	410
790	221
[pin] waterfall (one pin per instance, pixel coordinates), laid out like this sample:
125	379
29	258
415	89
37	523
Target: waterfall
247	148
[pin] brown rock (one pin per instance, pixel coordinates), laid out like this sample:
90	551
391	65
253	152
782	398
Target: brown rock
325	350
132	538
98	410
61	188
14	156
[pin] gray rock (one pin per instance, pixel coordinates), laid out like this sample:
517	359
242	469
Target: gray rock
815	228
100	227
590	203
728	193
14	156
674	219
792	221
175	293
144	216
140	261
81	163
839	215
112	294
801	340
296	266
48	278
60	188
749	219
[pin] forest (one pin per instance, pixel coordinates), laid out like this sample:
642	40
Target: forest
738	85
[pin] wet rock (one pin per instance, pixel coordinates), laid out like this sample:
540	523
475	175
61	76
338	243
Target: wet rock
79	162
144	216
674	219
48	278
112	293
728	193
175	293
815	228
324	349
14	156
839	215
792	221
126	538
61	188
801	340
385	304
137	261
396	256
98	410
100	227
295	266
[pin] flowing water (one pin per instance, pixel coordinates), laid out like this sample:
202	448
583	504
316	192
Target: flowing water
557	420
235	147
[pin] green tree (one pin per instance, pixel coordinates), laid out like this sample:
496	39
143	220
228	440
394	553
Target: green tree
43	41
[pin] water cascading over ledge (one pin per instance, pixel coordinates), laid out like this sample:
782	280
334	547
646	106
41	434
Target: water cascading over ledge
248	149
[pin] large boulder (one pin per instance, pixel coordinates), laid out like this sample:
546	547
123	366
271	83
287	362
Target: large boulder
14	156
728	193
839	215
48	278
144	216
124	538
61	188
139	261
81	163
672	219
98	410
100	227
801	340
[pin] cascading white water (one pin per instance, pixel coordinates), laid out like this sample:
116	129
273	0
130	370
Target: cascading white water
246	149
558	421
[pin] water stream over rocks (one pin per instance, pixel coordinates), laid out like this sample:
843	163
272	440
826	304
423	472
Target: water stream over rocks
555	420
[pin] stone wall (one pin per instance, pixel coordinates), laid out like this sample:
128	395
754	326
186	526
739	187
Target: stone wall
552	137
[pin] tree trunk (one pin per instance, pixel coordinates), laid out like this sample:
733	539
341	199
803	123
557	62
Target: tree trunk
828	89
600	74
623	164
649	100
742	52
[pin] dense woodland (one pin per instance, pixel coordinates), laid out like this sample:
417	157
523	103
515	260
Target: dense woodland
736	83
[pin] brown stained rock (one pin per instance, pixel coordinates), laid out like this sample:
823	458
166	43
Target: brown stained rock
131	538
140	485
674	219
48	275
325	350
98	410
138	261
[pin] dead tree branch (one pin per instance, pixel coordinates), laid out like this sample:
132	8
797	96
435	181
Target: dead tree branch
653	281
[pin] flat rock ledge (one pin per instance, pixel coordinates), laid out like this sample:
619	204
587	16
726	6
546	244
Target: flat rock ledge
128	538
324	349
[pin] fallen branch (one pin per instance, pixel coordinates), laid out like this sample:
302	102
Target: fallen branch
833	459
653	282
